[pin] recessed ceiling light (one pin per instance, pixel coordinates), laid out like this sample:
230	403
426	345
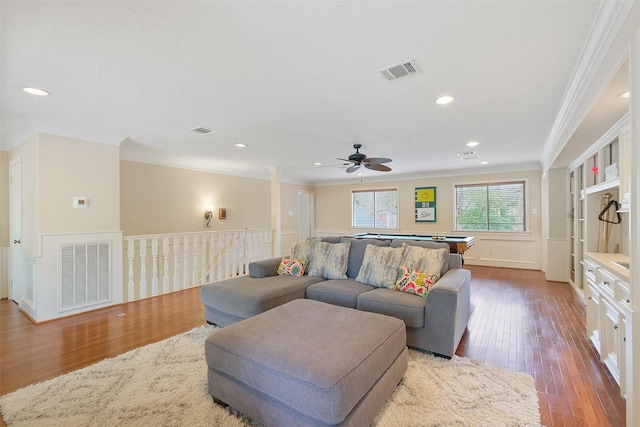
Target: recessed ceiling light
445	100
472	143
484	163
317	164
36	91
624	95
241	145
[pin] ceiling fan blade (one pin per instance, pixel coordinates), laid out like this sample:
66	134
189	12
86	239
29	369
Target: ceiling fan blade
344	160
376	160
377	167
353	168
335	165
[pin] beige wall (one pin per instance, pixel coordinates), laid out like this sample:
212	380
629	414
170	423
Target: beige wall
72	167
516	250
333	202
160	199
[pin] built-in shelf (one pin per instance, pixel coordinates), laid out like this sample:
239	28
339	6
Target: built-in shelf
614	183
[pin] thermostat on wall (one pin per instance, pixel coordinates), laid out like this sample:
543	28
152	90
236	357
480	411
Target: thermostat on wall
80	202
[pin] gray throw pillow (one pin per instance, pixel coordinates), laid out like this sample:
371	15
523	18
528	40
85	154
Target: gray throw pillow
356	253
380	266
303	249
424	260
329	260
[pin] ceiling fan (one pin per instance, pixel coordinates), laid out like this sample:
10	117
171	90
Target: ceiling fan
359	159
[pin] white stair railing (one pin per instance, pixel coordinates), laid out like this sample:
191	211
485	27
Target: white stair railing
186	260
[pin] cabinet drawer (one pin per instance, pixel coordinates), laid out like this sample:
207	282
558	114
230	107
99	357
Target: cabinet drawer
590	270
607	281
621	291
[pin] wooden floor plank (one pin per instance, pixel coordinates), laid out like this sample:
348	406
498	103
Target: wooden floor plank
519	321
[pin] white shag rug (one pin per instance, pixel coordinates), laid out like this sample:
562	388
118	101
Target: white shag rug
165	384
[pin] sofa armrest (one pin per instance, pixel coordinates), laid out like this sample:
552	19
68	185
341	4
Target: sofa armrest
455	261
264	268
447	311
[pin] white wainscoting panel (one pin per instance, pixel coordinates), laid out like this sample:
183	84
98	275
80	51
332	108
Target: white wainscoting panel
513	251
47	289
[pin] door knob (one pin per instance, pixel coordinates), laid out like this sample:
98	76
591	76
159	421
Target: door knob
16	242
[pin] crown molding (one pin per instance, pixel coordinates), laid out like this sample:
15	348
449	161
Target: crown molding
510	168
161	160
20	134
86	134
609	20
29	127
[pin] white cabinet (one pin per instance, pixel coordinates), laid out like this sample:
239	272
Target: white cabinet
607	311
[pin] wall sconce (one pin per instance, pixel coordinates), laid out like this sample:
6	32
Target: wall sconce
208	214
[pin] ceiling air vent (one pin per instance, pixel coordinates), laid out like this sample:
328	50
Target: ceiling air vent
393	72
467	155
202	131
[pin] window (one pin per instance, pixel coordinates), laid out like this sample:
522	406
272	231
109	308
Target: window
491	207
374	208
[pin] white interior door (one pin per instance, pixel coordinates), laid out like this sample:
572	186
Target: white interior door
304	215
15	279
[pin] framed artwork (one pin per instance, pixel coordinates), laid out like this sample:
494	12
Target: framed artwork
425	204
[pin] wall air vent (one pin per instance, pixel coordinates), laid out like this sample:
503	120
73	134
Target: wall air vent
84	274
202	131
403	69
467	155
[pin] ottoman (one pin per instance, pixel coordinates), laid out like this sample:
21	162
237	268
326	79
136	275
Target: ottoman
308	363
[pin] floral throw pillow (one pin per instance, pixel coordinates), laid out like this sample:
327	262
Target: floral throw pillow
292	267
414	282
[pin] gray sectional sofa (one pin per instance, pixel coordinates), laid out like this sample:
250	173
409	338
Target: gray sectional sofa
434	324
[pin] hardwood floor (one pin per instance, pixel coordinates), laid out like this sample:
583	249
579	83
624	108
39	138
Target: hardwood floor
519	321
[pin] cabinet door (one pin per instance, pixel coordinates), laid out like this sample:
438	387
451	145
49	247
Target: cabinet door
593	317
611	337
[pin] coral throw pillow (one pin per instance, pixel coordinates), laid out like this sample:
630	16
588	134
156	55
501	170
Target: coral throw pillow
414	282
292	267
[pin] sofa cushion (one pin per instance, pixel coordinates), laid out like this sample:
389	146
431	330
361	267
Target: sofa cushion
292	267
425	259
247	296
356	252
407	307
337	292
380	266
414	282
329	260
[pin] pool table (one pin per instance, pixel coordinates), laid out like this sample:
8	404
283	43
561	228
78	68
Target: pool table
457	244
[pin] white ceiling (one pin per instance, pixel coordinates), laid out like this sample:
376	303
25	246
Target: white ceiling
295	81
